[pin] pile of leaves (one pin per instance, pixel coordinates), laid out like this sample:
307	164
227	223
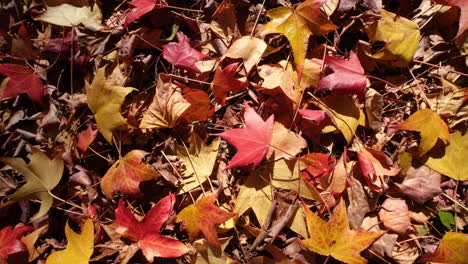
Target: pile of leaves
234	131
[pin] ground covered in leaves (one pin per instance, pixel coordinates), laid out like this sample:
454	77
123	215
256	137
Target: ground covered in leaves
234	131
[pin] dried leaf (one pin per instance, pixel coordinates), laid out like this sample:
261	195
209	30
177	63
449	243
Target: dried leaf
224	82
395	215
22	80
421	184
249	49
10	242
182	55
126	174
452	249
69	15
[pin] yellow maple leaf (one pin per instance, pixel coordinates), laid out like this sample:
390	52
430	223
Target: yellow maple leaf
297	24
79	248
105	101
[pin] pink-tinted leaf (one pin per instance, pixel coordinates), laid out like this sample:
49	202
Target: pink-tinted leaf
61	45
86	137
252	142
140	7
182	55
9	240
22	80
395	215
374	166
146	232
463	5
348	75
421	184
225	82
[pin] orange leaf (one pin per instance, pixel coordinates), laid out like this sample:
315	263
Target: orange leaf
334	238
297	25
126	174
452	249
395	215
202	217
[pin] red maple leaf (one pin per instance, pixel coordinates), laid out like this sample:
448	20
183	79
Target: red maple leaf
146	232
9	242
182	55
347	76
252	142
22	80
224	82
141	7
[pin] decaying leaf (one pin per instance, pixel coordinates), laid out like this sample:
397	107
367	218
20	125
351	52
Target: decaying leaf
105	101
80	247
297	24
334	238
421	184
202	217
395	215
224	82
42	175
210	254
126	174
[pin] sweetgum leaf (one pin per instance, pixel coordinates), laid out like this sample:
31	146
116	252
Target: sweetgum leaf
126	174
252	141
431	127
22	80
297	24
202	216
105	101
182	55
224	82
79	249
42	175
146	232
9	240
452	249
348	75
334	238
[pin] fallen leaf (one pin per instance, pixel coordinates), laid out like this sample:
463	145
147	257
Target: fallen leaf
297	24
318	165
200	108
167	107
463	23
256	191
249	49
252	142
334	238
225	82
86	137
374	166
395	215
285	143
224	21
22	80
42	175
347	116
126	174
79	249
400	35
274	76
210	254
182	55
451	161
202	216
198	159
421	184
450	103
10	242
430	126
452	249
69	15
279	257
105	101
30	240
146	232
140	7
348	75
